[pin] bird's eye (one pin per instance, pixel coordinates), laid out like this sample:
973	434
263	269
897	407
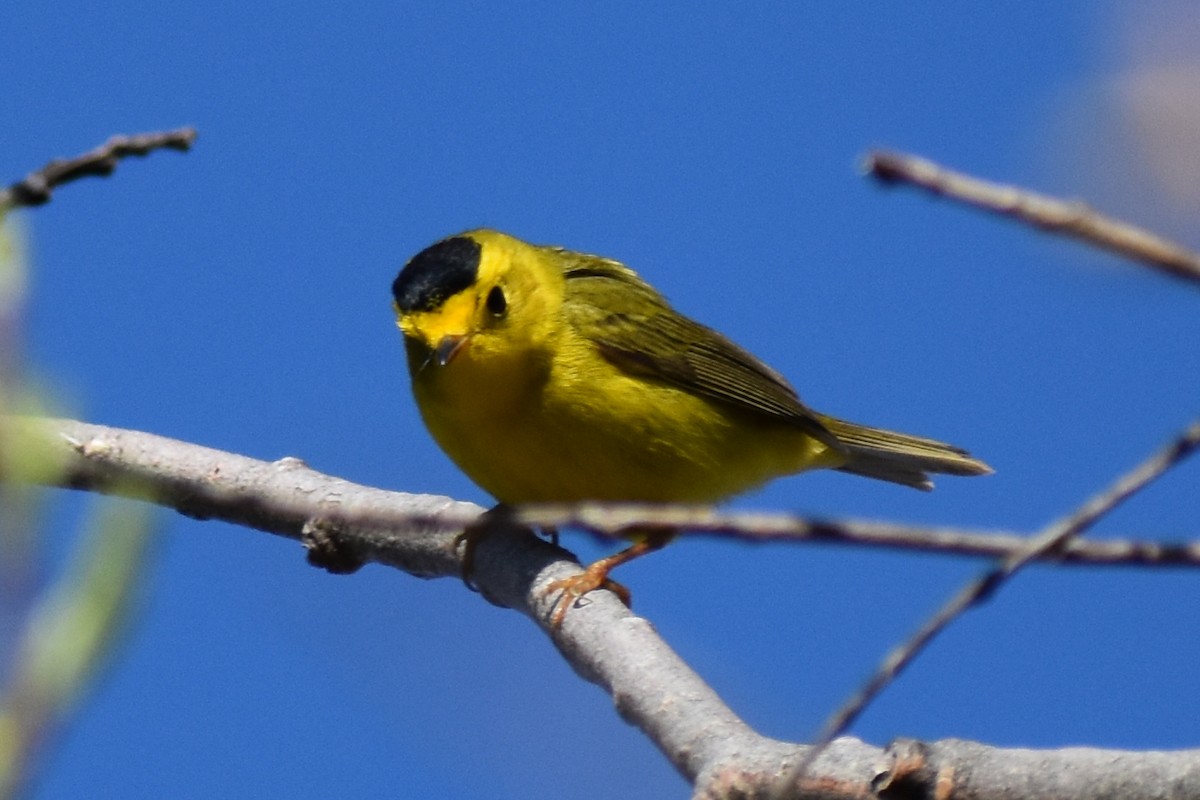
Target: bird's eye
496	302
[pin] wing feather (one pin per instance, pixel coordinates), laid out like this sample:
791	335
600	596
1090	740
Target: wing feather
635	329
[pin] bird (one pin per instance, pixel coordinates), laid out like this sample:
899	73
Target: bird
549	375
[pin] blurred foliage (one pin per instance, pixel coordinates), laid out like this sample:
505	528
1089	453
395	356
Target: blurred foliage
53	637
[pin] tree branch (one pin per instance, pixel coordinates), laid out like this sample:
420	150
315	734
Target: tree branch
1074	219
601	639
287	498
37	187
1053	537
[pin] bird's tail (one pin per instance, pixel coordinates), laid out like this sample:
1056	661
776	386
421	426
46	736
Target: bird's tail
899	457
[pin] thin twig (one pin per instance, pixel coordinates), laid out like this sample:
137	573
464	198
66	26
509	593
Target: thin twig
615	520
1074	219
283	497
37	187
1051	539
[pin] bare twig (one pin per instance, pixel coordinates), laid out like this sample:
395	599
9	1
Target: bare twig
1074	219
37	187
614	520
414	532
1051	539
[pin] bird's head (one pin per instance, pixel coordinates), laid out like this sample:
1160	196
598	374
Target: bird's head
481	294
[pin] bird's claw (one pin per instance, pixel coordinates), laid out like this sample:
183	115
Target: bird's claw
575	587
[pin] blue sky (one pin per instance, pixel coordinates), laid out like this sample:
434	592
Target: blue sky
238	297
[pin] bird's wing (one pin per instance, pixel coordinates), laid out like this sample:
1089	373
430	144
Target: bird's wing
634	328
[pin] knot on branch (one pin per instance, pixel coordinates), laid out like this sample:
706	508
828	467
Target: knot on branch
326	549
909	775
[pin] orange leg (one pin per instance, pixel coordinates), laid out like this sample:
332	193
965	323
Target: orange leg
595	576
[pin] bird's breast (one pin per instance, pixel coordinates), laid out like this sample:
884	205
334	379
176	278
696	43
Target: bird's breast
581	429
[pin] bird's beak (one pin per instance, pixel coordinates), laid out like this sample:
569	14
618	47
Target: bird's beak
443	333
448	347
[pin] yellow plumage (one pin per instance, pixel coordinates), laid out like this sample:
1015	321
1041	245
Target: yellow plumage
550	375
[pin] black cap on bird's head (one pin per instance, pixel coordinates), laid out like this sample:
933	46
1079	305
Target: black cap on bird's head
439	271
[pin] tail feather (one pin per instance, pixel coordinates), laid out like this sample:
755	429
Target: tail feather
900	457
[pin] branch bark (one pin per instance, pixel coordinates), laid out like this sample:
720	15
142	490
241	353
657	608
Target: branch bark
1068	218
1053	537
603	641
415	533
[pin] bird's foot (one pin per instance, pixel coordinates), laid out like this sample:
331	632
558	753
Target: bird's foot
575	587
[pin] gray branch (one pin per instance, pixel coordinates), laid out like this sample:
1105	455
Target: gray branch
1053	537
37	187
1067	218
344	524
